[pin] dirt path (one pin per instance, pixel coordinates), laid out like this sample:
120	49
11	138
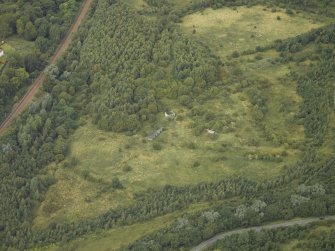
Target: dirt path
300	222
28	97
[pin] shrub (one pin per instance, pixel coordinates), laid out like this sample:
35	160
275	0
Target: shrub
196	164
127	168
157	146
116	183
235	54
258	57
289	12
85	174
191	145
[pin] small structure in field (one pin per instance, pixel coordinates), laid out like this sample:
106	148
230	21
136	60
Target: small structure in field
169	114
210	131
155	133
2	53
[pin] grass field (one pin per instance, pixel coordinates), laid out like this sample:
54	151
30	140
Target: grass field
178	156
227	30
121	236
182	158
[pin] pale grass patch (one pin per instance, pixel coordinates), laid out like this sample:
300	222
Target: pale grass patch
226	30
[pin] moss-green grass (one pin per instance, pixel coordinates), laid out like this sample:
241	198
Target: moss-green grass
226	30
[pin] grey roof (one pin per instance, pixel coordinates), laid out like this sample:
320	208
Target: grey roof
155	133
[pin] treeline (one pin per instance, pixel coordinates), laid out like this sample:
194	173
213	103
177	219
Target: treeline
191	229
276	239
45	23
316	89
264	240
314	84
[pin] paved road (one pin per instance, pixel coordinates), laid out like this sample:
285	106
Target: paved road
28	97
300	222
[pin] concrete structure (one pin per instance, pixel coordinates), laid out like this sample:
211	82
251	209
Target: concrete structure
210	131
155	133
169	114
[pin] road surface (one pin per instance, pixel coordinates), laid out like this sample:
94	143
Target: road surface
300	222
28	97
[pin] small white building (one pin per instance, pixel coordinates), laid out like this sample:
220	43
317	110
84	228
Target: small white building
210	131
169	114
2	53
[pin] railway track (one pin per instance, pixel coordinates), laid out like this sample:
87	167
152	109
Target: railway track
63	46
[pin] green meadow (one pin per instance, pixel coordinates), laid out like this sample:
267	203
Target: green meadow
240	29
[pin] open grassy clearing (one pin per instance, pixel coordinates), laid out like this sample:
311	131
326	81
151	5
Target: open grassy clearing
227	30
19	45
121	236
177	157
15	45
75	198
136	4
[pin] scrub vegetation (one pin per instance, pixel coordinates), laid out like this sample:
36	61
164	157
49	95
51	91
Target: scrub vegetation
250	84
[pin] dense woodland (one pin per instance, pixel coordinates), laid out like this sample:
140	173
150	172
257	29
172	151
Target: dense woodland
149	61
119	70
42	22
